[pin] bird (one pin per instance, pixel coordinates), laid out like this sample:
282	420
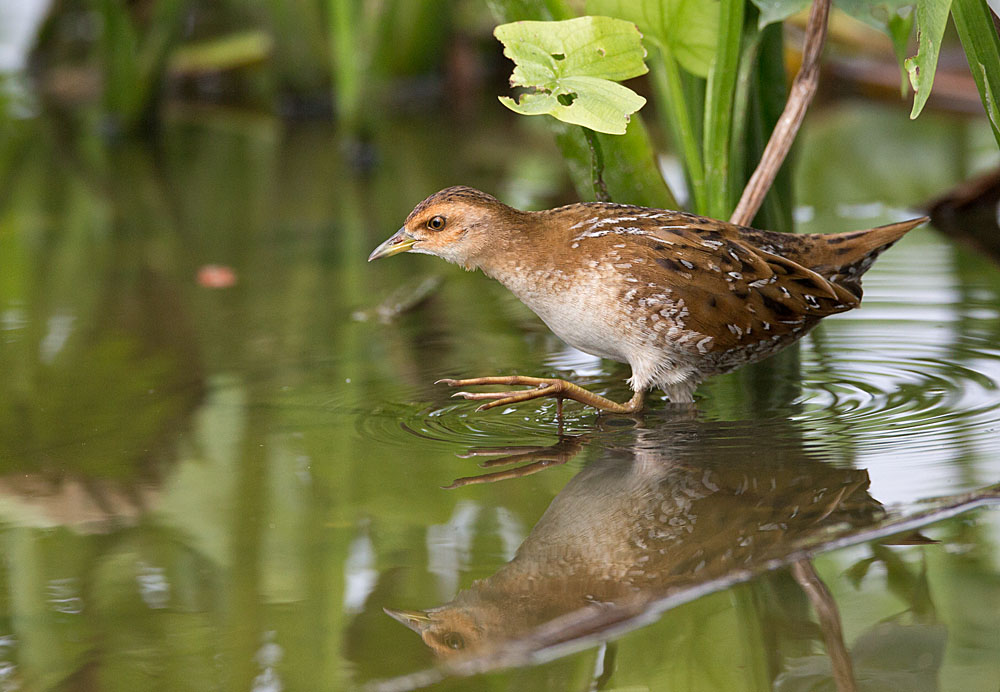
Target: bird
677	296
662	514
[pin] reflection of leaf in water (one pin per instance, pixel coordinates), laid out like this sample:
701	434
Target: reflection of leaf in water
859	570
890	657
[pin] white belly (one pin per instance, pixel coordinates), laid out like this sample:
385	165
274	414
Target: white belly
589	333
572	315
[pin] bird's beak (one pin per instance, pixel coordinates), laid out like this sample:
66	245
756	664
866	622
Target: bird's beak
400	242
416	620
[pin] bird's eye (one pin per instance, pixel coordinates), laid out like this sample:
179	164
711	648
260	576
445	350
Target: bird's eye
436	223
453	640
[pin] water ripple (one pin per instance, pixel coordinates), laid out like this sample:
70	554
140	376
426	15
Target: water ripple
912	396
459	423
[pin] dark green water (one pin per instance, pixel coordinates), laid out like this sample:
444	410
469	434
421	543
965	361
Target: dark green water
211	488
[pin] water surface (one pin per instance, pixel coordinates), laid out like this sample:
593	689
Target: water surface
206	486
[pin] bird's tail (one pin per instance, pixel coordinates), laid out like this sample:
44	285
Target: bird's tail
844	257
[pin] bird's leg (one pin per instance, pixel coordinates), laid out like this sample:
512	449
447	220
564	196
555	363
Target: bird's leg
543	387
519	472
540	457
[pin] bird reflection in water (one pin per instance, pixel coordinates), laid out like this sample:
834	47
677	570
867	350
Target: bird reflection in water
667	512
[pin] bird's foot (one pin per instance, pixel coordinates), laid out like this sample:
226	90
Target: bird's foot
540	458
542	387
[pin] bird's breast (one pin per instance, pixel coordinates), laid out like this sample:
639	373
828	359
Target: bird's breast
578	309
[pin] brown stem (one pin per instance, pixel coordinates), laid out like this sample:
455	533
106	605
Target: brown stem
829	622
780	143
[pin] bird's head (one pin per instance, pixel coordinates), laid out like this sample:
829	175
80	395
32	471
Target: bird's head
455	224
447	630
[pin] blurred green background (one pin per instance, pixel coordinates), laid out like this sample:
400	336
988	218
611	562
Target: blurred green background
221	454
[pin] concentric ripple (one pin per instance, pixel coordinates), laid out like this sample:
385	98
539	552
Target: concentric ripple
455	422
910	383
919	397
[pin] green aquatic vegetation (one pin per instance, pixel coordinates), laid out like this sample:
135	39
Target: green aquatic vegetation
973	21
982	49
687	28
932	16
713	68
572	69
134	58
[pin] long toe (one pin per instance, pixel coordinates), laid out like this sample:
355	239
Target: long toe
518	397
480	395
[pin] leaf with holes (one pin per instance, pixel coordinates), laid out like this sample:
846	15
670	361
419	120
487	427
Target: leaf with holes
572	68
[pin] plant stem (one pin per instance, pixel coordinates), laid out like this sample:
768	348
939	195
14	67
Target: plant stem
667	79
346	54
596	166
778	146
767	101
739	131
825	606
719	97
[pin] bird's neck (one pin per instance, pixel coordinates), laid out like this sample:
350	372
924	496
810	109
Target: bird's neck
518	245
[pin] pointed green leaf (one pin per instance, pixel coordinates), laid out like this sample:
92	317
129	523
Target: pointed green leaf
876	13
974	24
778	10
932	16
687	27
989	98
899	29
572	67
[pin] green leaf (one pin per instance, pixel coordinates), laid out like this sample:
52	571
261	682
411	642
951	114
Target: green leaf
932	16
877	13
772	11
982	50
899	29
688	28
601	105
224	53
573	67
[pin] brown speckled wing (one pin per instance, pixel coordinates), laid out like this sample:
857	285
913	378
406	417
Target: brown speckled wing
731	290
737	293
